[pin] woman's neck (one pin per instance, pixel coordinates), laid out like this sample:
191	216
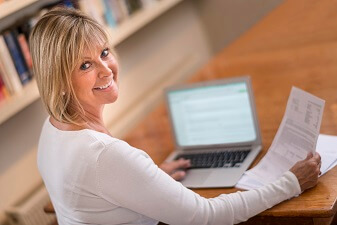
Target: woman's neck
88	123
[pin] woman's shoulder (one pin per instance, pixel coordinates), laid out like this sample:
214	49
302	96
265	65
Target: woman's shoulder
87	137
104	139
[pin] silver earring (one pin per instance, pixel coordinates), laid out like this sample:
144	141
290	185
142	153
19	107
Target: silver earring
63	93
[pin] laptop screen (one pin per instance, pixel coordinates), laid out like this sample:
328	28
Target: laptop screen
216	114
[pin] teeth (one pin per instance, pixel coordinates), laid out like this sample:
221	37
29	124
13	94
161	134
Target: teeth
105	86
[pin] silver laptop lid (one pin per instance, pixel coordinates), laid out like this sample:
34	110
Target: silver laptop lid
216	113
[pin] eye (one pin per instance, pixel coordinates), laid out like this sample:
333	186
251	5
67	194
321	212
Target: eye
85	65
105	53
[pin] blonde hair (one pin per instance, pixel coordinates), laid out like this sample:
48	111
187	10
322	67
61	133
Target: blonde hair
57	43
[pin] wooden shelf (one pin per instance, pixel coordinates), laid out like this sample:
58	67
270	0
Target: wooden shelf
11	6
140	19
19	101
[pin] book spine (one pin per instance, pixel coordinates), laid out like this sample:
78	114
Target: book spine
117	10
109	17
92	9
25	50
68	3
148	3
123	7
3	89
100	9
25	28
11	76
5	92
17	57
134	5
127	6
2	86
5	77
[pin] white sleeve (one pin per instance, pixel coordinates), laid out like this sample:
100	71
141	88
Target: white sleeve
128	178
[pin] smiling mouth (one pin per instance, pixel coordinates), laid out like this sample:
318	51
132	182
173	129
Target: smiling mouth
104	86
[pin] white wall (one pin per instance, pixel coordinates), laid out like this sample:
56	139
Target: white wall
226	20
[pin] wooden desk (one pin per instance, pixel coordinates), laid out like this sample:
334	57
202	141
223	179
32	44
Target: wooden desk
296	44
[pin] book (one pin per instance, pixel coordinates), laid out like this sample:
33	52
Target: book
25	50
10	75
98	7
148	3
118	11
17	57
127	6
3	90
5	77
93	9
109	13
2	85
26	26
123	8
133	5
68	3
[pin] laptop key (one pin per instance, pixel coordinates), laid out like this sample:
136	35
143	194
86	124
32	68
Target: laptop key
216	159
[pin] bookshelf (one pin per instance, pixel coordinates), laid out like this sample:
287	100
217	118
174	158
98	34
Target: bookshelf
140	19
29	94
10	7
18	101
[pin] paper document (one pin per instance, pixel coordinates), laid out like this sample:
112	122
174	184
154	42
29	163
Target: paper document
295	138
327	148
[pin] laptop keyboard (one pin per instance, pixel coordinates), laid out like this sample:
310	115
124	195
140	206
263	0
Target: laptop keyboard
225	159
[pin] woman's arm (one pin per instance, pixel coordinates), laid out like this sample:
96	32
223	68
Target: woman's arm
130	179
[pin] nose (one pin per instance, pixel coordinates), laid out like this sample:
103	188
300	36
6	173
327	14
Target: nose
104	69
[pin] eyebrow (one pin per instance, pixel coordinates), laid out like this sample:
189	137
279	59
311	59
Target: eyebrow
88	57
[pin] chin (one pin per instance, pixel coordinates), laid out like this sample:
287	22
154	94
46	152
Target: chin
112	99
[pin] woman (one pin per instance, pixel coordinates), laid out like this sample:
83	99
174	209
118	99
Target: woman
94	178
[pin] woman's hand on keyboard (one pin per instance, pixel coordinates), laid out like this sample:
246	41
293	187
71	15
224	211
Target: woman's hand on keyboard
176	168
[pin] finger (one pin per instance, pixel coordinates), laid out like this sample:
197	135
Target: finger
182	163
309	156
187	164
318	156
177	164
319	165
178	175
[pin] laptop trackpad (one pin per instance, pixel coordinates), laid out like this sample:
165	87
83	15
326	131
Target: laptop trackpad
194	177
212	178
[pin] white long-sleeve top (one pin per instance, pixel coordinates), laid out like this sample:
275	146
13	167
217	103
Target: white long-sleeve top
93	178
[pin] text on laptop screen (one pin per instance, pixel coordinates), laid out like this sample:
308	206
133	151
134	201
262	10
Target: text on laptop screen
217	114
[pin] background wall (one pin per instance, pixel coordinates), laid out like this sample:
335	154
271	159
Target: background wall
225	20
166	51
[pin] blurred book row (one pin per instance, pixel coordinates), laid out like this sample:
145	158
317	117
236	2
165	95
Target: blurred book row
15	59
112	12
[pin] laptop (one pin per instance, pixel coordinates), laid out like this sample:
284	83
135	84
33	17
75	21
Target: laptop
214	125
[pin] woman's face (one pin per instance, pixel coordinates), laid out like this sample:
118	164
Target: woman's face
95	78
